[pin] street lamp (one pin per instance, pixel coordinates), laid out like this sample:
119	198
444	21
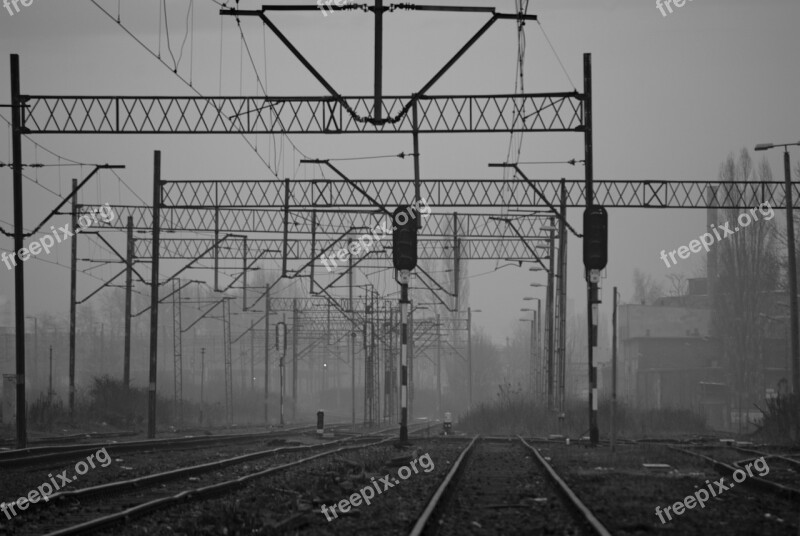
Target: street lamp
793	305
537	285
35	346
469	350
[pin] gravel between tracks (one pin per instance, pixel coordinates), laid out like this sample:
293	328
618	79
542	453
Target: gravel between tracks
503	491
624	495
290	501
18	482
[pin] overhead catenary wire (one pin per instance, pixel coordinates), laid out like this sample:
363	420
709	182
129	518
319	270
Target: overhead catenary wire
188	83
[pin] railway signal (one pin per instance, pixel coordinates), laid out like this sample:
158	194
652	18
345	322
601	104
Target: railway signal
595	238
404	238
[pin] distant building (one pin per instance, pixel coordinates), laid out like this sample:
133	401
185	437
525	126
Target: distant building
667	358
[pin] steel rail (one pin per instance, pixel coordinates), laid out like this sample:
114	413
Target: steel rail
66	452
438	499
572	499
753	481
195	494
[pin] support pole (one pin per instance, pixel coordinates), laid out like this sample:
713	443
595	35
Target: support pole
456	262
404	357
594	434
73	291
295	342
378	107
614	374
411	362
549	321
438	367
266	357
151	399
283	360
50	386
202	381
469	353
126	372
352	339
216	244
19	271
253	356
793	305
561	296
286	194
313	249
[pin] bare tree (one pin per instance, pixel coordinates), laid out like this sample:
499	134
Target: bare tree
645	289
749	269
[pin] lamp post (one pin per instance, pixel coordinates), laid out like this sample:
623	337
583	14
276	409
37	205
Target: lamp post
533	348
35	346
793	305
469	350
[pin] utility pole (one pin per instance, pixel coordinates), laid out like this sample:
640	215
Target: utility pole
156	244
561	291
35	348
592	276
469	353
411	362
73	291
549	317
252	356
295	340
19	270
614	374
280	336
50	388
202	380
352	338
438	367
126	373
404	276
267	312
793	305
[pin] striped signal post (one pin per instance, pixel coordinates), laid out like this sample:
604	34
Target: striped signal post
403	277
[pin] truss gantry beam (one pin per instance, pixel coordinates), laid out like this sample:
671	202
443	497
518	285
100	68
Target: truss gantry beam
530	112
300	249
234	198
453	193
261	220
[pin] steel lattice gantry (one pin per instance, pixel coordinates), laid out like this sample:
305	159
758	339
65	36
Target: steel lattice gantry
543	112
478	193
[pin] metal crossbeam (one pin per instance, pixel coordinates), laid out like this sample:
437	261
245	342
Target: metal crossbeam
452	193
300	250
436	224
532	112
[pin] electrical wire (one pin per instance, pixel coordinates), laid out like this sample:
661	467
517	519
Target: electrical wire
556	55
180	77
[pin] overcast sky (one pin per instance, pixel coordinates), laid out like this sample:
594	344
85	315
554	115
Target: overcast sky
673	96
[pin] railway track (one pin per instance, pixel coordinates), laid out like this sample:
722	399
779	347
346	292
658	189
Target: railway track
496	487
94	508
785	470
59	453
